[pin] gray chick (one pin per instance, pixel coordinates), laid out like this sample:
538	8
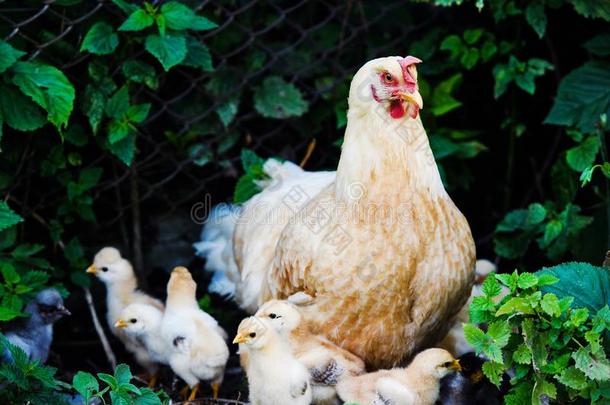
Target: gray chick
35	333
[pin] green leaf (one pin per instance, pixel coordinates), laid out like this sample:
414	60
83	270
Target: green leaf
522	355
442	100
592	8
276	98
527	280
509	280
589	285
126	7
550	305
124	149
543	392
583	155
494	372
170	50
9	273
572	378
138	112
118	130
7	314
583	95
118	104
488	50
245	188
161	24
551	231
593	366
48	87
140	72
601	320
579	316
469	58
147	397
198	55
180	17
515	305
491	287
475	337
227	111
473	35
453	44
536	18
599	45
137	21
8	217
500	332
85	384
122	374
546	279
536	213
8	56
100	40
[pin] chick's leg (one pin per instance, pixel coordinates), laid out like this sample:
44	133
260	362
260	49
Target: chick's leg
193	393
184	392
153	381
215	388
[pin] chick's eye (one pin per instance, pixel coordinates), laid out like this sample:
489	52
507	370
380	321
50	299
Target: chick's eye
252	335
104	269
133	320
447	364
272	316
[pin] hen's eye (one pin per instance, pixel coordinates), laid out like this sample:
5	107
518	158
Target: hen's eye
272	316
388	78
104	269
133	320
252	335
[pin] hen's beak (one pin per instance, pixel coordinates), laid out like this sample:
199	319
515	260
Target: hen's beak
455	366
239	339
92	269
121	324
413	98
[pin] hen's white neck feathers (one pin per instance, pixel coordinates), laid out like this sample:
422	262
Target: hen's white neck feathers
385	158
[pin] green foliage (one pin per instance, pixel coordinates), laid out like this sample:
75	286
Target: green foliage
523	74
554	230
26	381
583	96
119	388
540	330
277	99
247	184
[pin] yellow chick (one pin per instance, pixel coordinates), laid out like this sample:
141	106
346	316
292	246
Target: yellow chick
199	351
121	290
143	322
275	376
418	384
327	363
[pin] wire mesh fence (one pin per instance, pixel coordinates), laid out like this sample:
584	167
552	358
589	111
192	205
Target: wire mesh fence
184	151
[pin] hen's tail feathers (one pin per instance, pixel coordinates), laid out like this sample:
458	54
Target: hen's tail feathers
216	246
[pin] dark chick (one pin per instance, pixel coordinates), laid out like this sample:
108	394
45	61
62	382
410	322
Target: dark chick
470	386
35	333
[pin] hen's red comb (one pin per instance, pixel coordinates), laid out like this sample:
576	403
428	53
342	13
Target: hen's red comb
409	79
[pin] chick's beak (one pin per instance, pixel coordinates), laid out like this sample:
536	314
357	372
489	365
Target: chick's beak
92	269
121	324
239	339
455	366
64	311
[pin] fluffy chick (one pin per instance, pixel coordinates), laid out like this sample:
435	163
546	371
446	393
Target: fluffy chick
34	334
121	290
143	322
419	383
327	363
275	376
470	386
199	351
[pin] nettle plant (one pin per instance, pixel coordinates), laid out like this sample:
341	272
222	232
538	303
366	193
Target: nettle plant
551	330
